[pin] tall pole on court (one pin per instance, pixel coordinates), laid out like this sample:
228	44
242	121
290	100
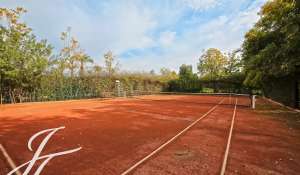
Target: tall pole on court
253	101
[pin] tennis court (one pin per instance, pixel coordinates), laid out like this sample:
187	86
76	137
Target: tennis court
151	134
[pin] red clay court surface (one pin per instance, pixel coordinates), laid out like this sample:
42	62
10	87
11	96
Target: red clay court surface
116	133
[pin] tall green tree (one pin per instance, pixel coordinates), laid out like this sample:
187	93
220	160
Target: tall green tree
23	58
233	63
83	59
167	75
271	47
187	81
97	70
30	72
71	51
212	64
111	65
186	72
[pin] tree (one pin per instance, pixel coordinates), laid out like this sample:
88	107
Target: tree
110	66
212	64
73	55
187	82
186	72
70	51
29	71
23	58
97	70
233	63
271	47
83	59
152	72
167	75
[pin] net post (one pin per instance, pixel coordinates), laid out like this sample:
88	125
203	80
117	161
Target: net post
253	99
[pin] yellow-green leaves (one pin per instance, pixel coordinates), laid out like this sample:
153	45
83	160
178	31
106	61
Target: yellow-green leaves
212	63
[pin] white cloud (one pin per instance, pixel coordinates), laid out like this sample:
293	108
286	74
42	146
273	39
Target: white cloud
125	25
223	32
200	4
117	26
167	38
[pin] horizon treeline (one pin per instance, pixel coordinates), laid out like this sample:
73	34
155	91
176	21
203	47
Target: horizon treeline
31	71
268	59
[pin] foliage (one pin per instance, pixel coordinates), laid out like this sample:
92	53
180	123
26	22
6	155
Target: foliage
212	64
110	66
231	83
140	81
29	71
187	81
72	55
167	75
23	59
186	72
185	85
220	72
233	63
271	47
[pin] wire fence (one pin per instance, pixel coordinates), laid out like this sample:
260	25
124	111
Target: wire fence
120	89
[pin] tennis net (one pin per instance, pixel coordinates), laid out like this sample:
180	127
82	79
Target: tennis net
245	100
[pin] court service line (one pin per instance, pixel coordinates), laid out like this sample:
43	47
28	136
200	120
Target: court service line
224	163
9	160
170	140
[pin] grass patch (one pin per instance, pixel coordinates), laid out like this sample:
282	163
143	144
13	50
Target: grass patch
207	90
292	118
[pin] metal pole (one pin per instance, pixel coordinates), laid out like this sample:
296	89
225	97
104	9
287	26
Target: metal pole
253	101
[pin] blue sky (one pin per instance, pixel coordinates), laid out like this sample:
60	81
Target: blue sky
143	34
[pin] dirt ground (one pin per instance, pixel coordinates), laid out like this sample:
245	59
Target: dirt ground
116	133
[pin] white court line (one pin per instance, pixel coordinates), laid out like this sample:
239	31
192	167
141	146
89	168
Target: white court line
9	160
223	169
170	141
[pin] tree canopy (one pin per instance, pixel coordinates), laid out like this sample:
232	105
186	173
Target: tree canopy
30	71
23	57
271	47
213	64
186	72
